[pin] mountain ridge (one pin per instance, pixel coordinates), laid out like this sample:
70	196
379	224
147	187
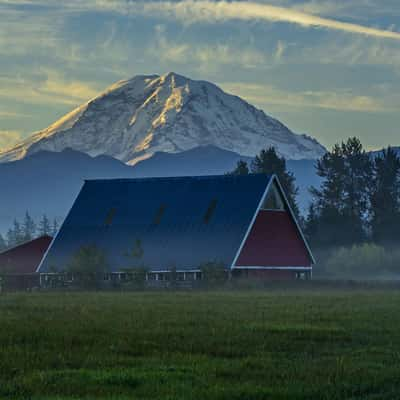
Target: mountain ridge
135	118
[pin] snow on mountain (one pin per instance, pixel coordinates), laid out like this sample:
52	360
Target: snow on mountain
136	118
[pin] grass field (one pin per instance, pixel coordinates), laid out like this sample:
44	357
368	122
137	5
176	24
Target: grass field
294	344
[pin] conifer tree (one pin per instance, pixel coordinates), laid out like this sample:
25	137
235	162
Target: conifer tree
28	228
385	198
340	205
3	244
16	233
44	226
55	227
241	168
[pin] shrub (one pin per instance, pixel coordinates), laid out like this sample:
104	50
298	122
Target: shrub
88	266
214	272
366	261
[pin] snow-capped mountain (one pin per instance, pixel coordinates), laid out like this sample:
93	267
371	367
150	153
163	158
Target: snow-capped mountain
136	118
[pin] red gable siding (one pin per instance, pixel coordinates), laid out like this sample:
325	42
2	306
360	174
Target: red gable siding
25	258
274	241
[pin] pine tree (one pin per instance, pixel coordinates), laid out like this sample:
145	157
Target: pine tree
268	162
341	204
54	228
385	198
241	168
44	226
3	244
10	238
358	169
29	227
18	234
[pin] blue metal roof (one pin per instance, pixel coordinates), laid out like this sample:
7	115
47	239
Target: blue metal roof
181	222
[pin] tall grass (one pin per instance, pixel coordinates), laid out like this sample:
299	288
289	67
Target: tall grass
286	344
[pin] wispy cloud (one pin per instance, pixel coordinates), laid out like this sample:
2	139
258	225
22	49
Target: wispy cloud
207	11
53	89
207	57
9	138
341	100
305	14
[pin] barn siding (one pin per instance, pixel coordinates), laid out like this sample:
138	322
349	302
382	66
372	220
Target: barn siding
25	258
274	241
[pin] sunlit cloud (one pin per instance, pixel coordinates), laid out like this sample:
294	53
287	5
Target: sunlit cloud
343	100
54	89
206	57
188	11
9	139
208	11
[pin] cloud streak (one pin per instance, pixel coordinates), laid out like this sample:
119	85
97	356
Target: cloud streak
342	100
8	139
190	11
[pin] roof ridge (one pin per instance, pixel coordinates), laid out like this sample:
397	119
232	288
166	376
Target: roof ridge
175	178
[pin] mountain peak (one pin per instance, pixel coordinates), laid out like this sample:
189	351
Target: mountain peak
171	113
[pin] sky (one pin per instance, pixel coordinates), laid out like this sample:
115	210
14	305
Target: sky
327	68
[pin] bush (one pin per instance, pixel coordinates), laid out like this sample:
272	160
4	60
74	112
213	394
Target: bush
88	266
214	272
366	261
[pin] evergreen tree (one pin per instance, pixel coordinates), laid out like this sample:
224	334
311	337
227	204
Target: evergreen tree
268	162
44	226
341	204
55	227
10	238
241	168
29	227
17	234
3	244
385	198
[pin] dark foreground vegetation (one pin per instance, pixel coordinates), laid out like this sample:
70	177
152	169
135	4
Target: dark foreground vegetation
273	344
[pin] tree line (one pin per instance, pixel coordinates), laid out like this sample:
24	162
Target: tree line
28	229
358	201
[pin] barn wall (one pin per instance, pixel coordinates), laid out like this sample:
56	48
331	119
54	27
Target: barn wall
25	258
274	241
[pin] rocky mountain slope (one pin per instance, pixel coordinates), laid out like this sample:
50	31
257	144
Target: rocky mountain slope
136	118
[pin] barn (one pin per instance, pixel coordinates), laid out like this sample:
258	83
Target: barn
179	224
18	265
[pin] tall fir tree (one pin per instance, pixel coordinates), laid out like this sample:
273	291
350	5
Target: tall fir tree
54	228
385	198
3	244
268	162
28	228
44	227
241	168
340	205
15	234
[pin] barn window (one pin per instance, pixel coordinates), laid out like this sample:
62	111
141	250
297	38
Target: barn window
159	215
273	200
110	216
210	211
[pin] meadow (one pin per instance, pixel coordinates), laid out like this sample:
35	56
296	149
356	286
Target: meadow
245	344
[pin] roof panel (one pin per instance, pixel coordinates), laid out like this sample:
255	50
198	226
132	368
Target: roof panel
181	239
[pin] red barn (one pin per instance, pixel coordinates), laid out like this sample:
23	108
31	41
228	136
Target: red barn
244	223
19	264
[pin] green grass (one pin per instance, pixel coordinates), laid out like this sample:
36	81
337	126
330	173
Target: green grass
294	344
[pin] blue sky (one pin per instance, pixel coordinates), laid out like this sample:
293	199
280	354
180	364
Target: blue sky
328	68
